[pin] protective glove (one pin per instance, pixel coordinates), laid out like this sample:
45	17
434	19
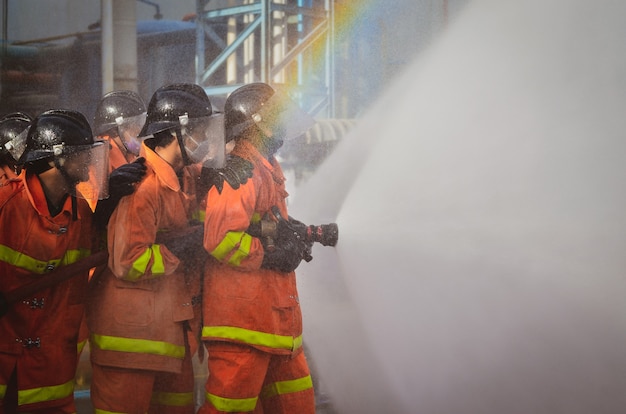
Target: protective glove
236	172
186	248
301	228
284	258
293	229
123	179
121	183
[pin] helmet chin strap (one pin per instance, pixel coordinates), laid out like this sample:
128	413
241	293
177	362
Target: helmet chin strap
71	186
183	151
70	191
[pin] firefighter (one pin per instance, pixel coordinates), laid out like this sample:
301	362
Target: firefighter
47	223
11	126
119	117
141	306
252	321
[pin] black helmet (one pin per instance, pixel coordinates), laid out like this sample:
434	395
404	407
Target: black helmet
271	111
114	105
11	126
171	102
242	105
56	132
63	138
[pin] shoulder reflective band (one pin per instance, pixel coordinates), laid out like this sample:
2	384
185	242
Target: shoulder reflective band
172	399
253	337
234	240
140	266
18	259
287	387
36	395
232	405
140	346
3	391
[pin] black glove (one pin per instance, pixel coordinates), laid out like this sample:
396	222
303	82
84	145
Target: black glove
121	183
292	229
284	258
187	247
288	248
301	228
123	179
236	172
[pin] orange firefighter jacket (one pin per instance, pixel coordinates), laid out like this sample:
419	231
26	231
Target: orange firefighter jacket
116	157
39	335
6	174
243	302
139	303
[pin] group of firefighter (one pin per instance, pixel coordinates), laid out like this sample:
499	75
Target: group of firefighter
176	198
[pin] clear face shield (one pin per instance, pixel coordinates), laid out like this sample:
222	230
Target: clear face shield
281	118
203	139
128	129
87	169
17	145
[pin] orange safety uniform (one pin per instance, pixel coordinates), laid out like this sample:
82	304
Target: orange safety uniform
139	305
6	174
116	156
38	344
252	322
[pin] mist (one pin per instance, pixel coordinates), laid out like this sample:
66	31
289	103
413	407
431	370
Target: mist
481	210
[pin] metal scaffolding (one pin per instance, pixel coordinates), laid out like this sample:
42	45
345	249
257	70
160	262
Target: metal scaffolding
286	43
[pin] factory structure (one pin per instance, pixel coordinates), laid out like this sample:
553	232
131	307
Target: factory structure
332	56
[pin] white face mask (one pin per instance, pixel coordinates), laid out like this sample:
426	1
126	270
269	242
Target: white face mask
203	139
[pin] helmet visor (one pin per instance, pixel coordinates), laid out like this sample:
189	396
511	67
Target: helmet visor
128	129
88	167
17	145
281	118
203	139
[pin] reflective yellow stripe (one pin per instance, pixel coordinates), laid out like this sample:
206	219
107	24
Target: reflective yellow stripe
232	405
33	265
98	411
158	267
243	251
36	395
140	265
287	387
3	391
253	337
227	245
172	399
80	346
141	346
199	215
72	256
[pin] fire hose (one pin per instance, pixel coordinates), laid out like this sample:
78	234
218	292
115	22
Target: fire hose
63	273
